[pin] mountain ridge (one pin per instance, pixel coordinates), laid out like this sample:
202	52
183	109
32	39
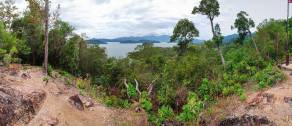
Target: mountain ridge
151	39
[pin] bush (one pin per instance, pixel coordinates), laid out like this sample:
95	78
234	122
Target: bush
192	109
46	79
165	112
65	74
82	83
145	102
50	70
269	76
113	101
206	90
131	90
7	59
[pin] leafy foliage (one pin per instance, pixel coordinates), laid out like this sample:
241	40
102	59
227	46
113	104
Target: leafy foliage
192	109
184	33
174	87
209	8
269	76
243	25
145	102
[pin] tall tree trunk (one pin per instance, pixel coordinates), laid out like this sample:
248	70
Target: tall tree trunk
218	47
33	56
254	43
277	47
221	55
46	36
212	26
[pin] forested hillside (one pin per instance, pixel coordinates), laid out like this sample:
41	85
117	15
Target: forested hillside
172	85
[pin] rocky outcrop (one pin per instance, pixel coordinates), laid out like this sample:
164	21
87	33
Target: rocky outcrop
19	105
76	102
247	120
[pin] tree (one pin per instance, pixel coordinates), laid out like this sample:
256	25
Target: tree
218	41
210	8
271	38
46	36
243	25
11	47
184	33
8	12
58	35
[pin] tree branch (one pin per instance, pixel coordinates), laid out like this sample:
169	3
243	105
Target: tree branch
150	88
137	87
125	83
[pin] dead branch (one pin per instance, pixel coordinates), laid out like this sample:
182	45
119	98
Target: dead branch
150	88
137	87
127	86
125	83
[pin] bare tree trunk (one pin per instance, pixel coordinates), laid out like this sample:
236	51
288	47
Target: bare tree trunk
277	47
221	55
219	50
46	36
254	43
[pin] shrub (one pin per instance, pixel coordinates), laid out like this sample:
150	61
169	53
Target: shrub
131	90
206	90
153	119
82	83
50	70
46	79
192	109
145	102
269	76
113	101
64	74
7	59
165	112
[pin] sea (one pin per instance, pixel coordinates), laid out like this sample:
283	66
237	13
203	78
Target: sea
121	50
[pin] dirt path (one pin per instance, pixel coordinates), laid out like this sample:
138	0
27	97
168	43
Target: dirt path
274	103
270	105
56	108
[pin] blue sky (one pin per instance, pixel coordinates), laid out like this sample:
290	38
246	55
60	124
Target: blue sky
117	18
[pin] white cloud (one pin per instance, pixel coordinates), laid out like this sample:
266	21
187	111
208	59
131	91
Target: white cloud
115	18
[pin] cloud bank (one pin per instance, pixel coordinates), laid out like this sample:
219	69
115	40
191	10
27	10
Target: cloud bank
116	18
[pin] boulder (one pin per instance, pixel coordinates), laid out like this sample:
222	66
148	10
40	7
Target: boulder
247	120
171	123
18	106
76	102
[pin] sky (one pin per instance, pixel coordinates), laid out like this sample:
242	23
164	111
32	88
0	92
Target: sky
119	18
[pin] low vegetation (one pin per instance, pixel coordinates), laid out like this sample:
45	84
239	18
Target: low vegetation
169	84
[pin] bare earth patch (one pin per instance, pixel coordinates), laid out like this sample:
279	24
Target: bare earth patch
265	108
55	108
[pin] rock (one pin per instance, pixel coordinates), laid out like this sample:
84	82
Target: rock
171	123
247	120
88	104
91	109
50	121
25	76
138	109
76	102
268	97
288	100
17	105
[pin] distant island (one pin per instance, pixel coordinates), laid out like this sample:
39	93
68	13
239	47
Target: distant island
151	39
